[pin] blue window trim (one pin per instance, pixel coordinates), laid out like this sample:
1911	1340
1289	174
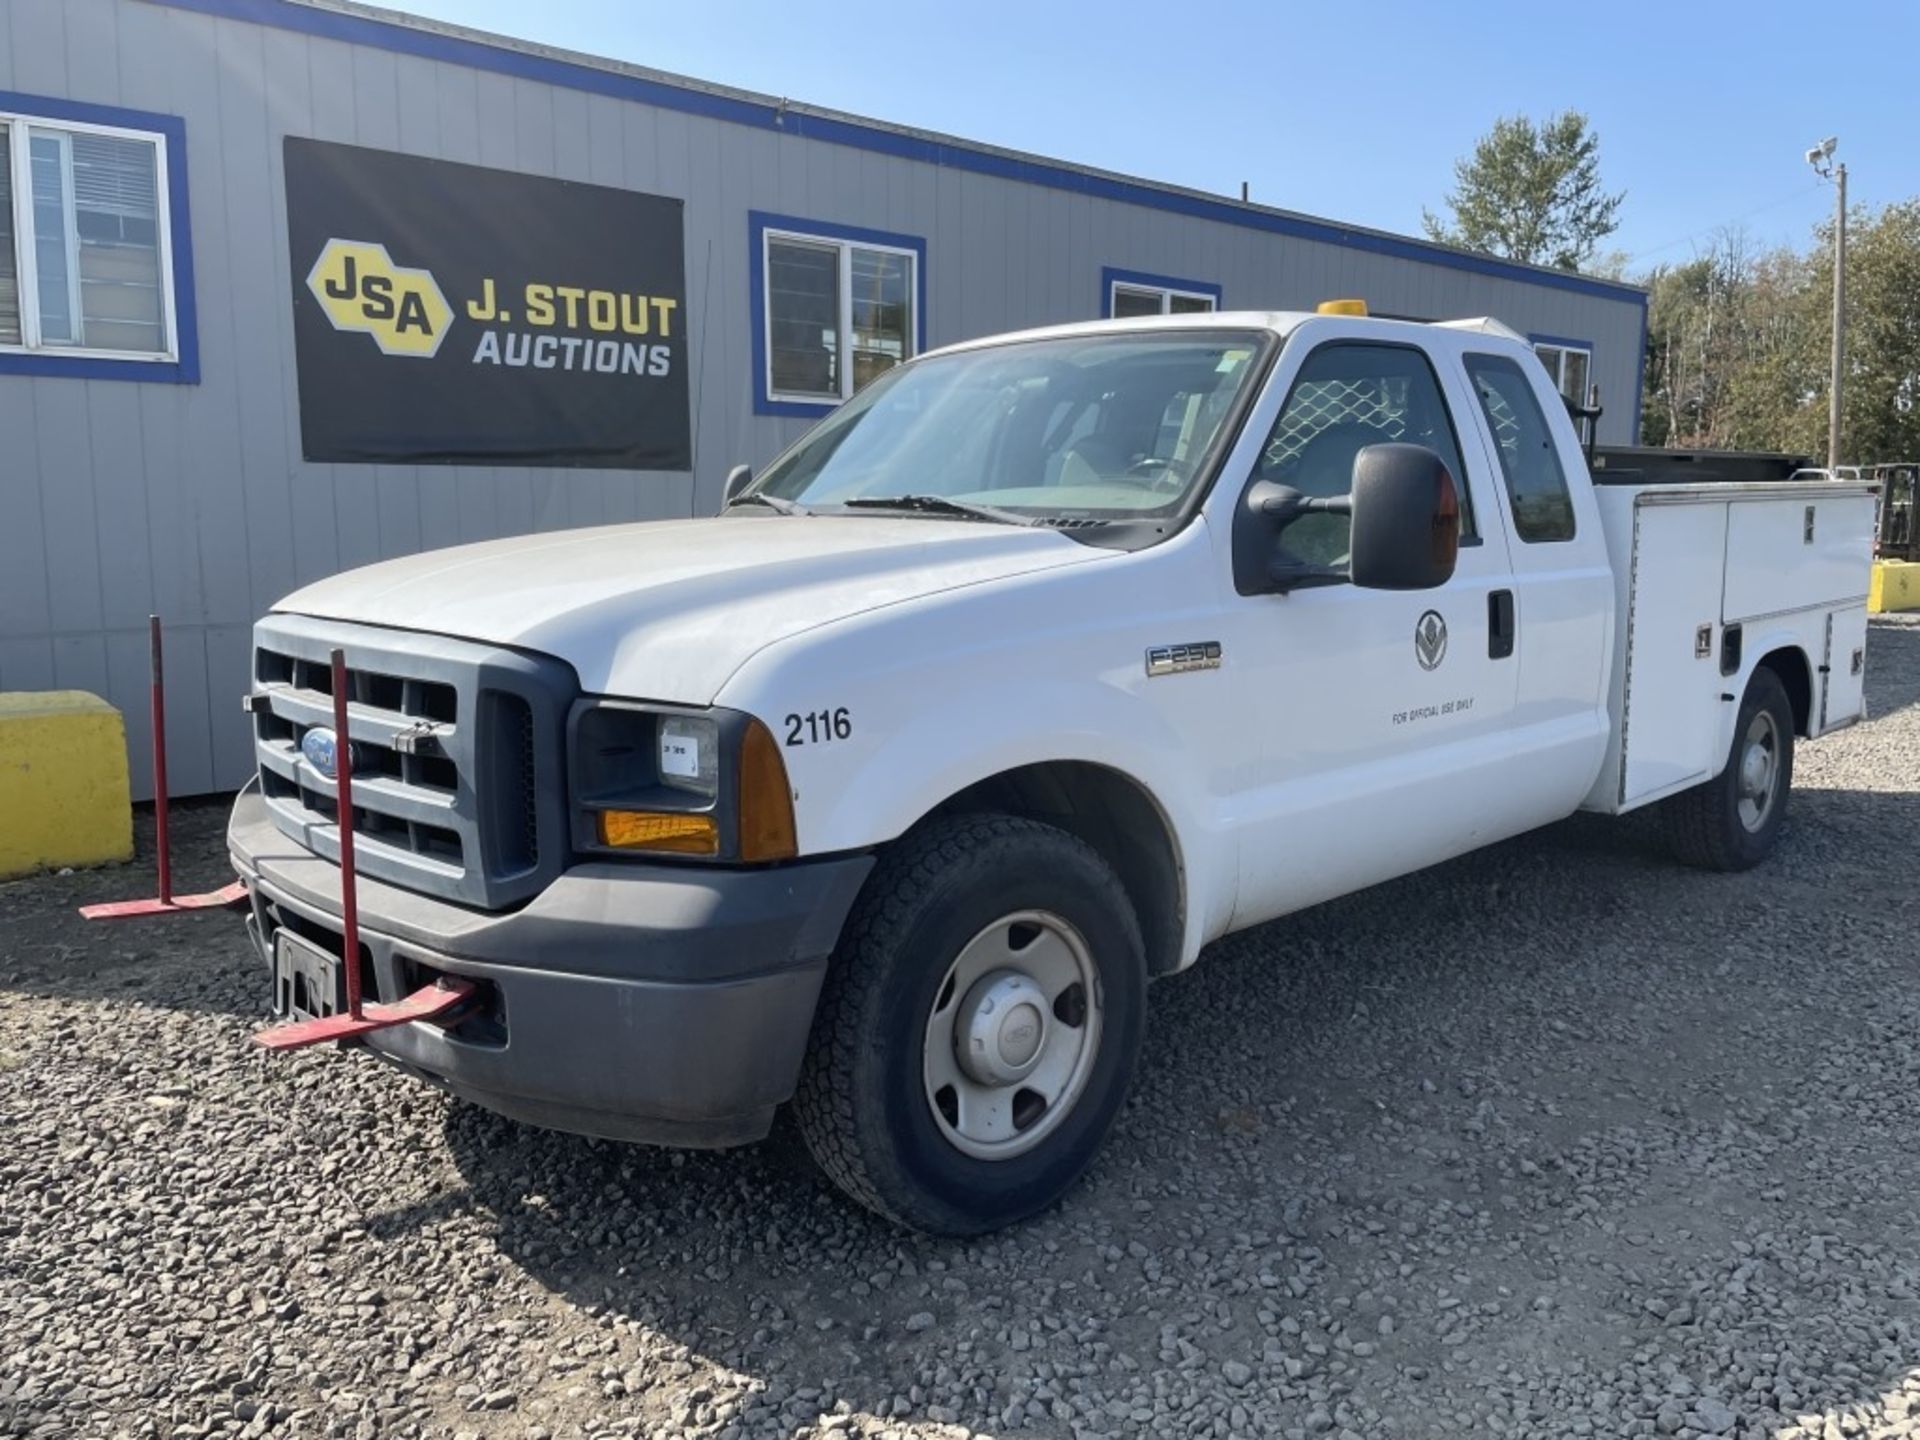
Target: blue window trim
184	369
761	221
777	117
1110	276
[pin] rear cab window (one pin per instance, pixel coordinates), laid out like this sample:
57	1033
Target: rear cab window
1529	459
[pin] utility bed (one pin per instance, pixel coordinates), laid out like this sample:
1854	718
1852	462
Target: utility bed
1705	572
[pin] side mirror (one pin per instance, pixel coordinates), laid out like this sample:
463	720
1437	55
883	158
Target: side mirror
738	478
1406	519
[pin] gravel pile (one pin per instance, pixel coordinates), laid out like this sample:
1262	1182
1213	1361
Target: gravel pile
1555	1140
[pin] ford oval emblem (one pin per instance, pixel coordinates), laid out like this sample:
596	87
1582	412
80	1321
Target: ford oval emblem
319	746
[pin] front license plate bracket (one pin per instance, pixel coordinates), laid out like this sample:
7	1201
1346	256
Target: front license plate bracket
308	983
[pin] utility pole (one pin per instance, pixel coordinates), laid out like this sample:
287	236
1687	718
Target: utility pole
1821	158
1839	314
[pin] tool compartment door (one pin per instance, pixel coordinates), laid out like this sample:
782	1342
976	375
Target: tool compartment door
1843	697
1670	713
1792	553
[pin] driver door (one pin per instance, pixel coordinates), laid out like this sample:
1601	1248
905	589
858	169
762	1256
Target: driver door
1382	715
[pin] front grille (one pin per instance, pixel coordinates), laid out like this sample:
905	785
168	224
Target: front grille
475	811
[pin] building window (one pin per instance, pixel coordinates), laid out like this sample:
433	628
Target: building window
834	306
83	241
1569	365
1125	294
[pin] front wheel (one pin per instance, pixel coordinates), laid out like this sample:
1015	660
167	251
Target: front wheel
1732	821
978	1027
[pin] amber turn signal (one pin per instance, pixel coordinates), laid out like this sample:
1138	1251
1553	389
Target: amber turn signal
766	800
659	830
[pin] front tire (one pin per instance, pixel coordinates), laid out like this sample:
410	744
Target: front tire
978	1027
1733	820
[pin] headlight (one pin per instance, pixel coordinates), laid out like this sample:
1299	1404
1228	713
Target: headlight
660	780
689	754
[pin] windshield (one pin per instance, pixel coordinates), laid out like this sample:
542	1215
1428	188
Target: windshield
1108	427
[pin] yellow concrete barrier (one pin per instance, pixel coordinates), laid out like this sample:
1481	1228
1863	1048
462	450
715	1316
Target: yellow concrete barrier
63	781
1895	586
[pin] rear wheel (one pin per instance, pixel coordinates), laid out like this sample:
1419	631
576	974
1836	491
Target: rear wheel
978	1026
1733	821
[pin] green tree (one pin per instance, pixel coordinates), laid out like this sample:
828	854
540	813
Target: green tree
1882	394
1738	344
1531	193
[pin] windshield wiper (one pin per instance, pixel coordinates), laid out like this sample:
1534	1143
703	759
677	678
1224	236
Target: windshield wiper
942	505
776	503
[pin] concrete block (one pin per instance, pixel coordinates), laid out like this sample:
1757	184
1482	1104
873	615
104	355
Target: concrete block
63	781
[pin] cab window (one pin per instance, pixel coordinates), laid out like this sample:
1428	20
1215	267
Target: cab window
1347	396
1536	485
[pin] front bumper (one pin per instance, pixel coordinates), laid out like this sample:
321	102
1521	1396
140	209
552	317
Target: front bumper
660	1003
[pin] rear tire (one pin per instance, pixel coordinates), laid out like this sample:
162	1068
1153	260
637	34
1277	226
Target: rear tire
1733	821
978	1027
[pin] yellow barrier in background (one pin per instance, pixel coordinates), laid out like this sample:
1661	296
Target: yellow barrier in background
63	781
1895	586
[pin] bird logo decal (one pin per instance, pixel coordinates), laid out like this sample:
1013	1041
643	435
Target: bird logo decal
1430	640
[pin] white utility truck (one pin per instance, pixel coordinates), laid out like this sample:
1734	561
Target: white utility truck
1037	665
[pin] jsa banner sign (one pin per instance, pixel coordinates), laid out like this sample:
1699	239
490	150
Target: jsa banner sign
453	314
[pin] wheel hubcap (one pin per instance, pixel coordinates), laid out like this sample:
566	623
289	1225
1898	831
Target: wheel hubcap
1759	775
1012	1036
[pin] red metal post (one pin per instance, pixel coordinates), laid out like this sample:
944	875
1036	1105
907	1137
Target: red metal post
161	853
343	803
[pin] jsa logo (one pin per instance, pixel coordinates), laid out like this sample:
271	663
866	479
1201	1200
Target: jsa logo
360	288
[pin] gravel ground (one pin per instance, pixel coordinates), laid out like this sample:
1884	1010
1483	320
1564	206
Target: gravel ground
1555	1140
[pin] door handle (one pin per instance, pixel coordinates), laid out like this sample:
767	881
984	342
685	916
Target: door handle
1499	624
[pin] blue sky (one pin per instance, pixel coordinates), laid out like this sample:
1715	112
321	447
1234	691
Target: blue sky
1351	111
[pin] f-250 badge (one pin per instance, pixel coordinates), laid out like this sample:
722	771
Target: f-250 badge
1430	640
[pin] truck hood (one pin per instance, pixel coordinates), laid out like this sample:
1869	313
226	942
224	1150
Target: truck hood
669	610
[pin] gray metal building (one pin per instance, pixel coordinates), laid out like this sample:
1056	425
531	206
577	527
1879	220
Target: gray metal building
151	398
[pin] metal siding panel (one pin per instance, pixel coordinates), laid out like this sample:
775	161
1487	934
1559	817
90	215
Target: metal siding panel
128	678
93	53
39	40
229	736
80	663
571	157
26	664
173	536
497	128
417	92
606	142
332	67
532	128
120	482
69	523
213	485
438	489
398	501
258	341
356	514
289	83
641	147
376	98
457	96
190	697
24	604
716	189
